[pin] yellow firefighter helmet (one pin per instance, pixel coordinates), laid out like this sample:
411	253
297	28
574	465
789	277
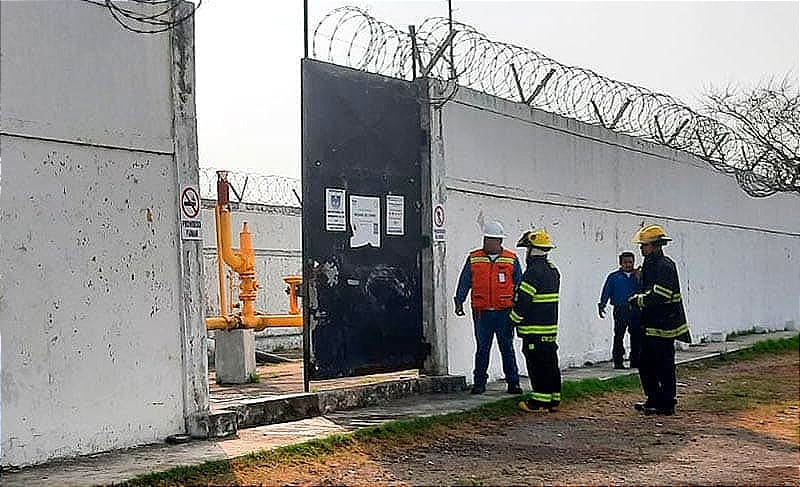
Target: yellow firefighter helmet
536	238
651	234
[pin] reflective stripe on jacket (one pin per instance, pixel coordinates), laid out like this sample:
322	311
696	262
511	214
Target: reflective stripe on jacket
663	315
492	282
536	300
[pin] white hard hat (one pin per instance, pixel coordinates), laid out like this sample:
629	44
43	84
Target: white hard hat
494	229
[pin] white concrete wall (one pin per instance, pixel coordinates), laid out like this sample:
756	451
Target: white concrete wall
738	257
92	298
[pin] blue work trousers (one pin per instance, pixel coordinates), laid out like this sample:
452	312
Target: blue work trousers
487	325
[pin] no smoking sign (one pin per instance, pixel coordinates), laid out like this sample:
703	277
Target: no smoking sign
190	202
190	214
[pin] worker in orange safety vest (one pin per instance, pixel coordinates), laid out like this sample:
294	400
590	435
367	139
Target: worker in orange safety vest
492	274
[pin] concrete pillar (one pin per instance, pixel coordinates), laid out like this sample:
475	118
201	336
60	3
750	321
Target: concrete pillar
435	302
193	329
234	356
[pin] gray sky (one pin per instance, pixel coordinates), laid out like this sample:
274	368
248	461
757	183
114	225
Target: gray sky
248	52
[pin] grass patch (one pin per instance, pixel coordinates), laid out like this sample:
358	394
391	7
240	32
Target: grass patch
219	470
222	471
764	347
777	345
253	378
747	391
742	392
572	390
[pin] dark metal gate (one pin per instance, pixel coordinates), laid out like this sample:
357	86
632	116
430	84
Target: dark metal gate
361	223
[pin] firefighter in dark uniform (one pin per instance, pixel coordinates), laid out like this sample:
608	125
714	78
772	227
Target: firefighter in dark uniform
535	315
663	320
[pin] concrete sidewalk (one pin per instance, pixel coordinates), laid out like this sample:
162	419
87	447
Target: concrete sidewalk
119	466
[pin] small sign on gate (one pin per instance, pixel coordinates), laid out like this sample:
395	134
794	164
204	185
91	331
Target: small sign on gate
335	219
395	214
439	231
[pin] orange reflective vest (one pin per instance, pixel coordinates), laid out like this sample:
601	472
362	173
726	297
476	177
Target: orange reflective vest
492	282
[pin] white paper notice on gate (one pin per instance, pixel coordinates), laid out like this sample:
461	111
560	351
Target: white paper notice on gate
365	221
395	214
334	210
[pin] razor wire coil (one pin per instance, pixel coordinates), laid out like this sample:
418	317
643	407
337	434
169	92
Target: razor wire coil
350	36
253	188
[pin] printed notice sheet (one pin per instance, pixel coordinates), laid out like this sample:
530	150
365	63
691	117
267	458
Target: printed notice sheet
395	214
365	221
334	210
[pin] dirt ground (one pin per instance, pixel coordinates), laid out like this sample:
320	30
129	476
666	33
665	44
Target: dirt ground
735	424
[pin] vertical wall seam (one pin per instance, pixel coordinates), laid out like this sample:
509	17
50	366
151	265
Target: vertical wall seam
192	326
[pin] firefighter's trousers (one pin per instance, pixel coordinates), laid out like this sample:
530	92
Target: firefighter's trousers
541	358
657	371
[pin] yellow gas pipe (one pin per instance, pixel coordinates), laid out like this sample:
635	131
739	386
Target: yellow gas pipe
223	305
243	263
293	282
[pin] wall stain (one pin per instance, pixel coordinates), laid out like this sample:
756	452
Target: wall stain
598	236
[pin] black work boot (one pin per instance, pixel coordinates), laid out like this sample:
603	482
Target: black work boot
514	389
476	389
619	366
641	406
661	411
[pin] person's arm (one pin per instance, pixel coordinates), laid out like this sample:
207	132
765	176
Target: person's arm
663	290
523	301
517	273
605	295
464	285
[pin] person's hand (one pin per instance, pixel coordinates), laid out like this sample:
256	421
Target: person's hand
460	309
601	310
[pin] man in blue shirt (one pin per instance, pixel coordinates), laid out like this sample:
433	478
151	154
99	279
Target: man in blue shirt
619	286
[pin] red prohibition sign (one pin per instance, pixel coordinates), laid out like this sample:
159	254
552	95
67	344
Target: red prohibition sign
438	216
190	202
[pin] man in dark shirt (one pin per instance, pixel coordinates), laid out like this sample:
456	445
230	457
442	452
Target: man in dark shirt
619	286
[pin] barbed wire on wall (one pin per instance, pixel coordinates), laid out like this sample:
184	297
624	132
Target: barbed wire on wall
148	16
350	36
253	188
